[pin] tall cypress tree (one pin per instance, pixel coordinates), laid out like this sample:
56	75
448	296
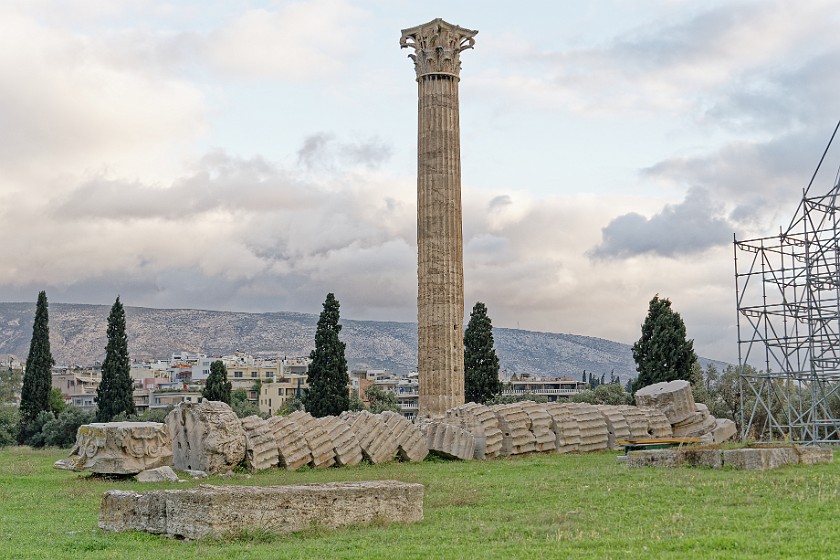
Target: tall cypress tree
115	392
37	379
217	387
663	353
327	374
481	365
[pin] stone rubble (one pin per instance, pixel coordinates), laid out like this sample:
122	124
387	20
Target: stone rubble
411	443
160	474
539	423
346	446
323	452
513	422
378	446
672	398
448	440
481	422
617	428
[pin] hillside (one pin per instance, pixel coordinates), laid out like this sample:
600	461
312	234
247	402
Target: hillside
77	335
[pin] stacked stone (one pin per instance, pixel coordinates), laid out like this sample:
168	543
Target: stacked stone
346	446
513	422
260	445
378	445
323	453
206	436
565	427
292	449
480	421
686	418
699	423
448	440
411	442
594	434
658	425
617	427
672	398
637	421
539	423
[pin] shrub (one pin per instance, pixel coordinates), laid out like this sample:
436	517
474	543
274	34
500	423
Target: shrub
9	424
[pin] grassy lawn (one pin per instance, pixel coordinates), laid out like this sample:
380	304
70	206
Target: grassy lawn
538	506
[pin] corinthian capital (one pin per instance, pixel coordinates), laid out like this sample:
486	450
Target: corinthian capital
437	47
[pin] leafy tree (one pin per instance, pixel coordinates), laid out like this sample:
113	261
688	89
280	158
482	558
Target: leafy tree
217	387
61	430
662	353
356	404
242	406
57	403
9	425
608	393
10	385
481	365
37	378
296	403
381	400
328	380
115	393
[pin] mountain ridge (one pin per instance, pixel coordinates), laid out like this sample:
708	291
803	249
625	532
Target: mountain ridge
78	337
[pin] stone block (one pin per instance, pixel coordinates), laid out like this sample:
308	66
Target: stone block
812	454
617	428
655	458
205	436
724	430
594	434
701	456
346	446
565	427
260	445
637	421
513	422
292	450
539	423
119	448
697	428
411	442
448	440
318	440
480	421
375	438
658	424
760	458
673	398
160	474
223	510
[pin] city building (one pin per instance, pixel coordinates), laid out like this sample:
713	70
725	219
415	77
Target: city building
553	389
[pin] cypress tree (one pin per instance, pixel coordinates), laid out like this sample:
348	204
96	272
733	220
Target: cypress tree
37	378
663	353
327	376
115	393
217	387
481	365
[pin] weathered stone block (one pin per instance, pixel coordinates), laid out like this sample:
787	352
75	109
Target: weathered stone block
119	448
760	458
160	474
655	458
375	438
539	423
480	421
219	510
260	445
658	424
617	427
448	440
513	422
292	450
205	436
673	398
346	446
320	444
812	455
594	434
565	427
723	430
411	442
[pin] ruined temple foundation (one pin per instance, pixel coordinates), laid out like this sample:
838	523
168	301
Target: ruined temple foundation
440	270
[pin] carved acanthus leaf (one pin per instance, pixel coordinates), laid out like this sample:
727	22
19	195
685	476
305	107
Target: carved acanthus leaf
437	47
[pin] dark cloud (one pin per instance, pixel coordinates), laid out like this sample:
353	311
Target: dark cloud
683	229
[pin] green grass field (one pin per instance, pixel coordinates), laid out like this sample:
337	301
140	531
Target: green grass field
538	506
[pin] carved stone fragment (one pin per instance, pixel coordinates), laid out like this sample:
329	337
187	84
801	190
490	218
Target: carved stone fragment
448	440
323	452
411	442
378	445
119	448
205	436
673	398
565	427
481	422
346	446
516	437
292	449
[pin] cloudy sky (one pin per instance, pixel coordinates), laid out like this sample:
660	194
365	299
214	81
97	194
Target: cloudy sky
254	156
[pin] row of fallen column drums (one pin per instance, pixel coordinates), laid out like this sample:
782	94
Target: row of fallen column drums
470	431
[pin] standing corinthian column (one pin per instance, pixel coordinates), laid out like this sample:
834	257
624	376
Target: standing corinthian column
440	248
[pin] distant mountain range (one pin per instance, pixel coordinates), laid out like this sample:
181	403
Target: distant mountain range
78	337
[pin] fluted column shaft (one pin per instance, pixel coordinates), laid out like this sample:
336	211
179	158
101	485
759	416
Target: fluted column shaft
440	269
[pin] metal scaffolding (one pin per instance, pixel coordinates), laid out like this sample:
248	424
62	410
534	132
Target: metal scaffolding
788	299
